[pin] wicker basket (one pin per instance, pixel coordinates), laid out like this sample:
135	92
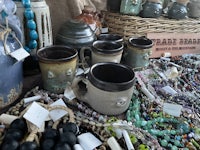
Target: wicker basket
136	26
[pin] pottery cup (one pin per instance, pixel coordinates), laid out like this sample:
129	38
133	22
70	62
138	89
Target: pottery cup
138	52
58	66
107	88
101	51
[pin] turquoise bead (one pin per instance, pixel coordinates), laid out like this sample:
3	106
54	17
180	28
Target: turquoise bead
28	13
143	123
174	148
32	44
27	49
164	143
33	35
173	132
31	24
26	3
185	127
177	143
166	137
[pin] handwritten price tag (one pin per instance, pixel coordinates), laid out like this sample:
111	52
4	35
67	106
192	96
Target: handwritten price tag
36	114
58	113
172	109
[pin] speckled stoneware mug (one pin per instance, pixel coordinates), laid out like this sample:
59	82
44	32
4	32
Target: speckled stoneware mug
107	88
102	51
58	66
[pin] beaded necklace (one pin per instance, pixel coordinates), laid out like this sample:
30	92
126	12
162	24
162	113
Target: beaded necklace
169	136
31	26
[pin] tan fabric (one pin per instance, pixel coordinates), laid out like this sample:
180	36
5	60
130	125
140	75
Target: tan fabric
62	10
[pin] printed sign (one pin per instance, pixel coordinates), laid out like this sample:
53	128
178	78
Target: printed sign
174	43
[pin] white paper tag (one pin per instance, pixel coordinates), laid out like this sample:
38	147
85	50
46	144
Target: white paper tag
69	93
88	141
58	113
36	114
79	71
172	109
167	89
19	54
104	30
93	26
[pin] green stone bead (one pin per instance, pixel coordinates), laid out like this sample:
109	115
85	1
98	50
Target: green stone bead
174	148
143	147
173	132
164	143
133	139
137	117
167	137
177	143
143	123
169	145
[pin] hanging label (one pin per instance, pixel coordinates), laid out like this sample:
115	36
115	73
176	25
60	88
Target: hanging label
172	109
69	93
57	113
19	54
36	114
88	141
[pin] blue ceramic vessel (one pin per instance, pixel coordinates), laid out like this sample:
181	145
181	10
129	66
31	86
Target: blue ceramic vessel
11	72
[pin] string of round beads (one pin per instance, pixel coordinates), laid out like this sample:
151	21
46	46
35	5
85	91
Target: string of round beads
31	25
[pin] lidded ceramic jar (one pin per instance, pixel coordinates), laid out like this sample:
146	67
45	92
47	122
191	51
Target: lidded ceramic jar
75	34
151	9
178	10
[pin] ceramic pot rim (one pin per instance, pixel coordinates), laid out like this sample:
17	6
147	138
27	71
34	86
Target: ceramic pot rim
107	51
148	43
74	53
105	37
111	86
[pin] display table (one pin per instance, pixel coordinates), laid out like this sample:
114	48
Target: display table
163	113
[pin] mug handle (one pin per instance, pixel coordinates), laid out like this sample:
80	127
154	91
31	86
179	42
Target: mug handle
80	93
83	61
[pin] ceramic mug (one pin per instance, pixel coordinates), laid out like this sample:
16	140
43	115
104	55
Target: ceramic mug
108	87
102	51
138	52
58	66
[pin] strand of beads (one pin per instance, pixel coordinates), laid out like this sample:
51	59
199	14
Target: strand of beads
168	131
31	25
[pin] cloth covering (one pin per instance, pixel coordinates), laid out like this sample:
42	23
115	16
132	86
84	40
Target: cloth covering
62	10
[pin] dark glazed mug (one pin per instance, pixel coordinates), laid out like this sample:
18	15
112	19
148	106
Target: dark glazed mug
138	52
110	37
